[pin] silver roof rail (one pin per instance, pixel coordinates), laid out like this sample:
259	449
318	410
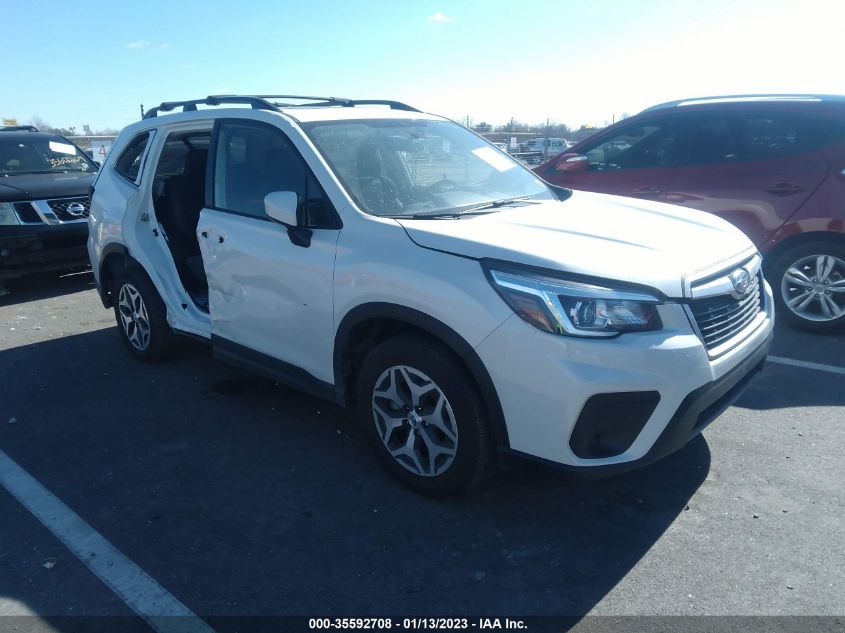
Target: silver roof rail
741	98
270	102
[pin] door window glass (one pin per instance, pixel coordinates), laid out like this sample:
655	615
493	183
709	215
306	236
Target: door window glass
128	163
650	144
709	140
254	160
179	152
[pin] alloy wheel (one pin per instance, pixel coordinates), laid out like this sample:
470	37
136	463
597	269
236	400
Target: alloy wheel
133	317
415	421
814	287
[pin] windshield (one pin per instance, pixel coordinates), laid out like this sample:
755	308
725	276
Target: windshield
41	155
406	167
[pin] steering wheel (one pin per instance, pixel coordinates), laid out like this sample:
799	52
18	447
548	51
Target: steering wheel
443	185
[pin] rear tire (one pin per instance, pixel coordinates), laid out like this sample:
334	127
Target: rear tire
424	417
141	316
808	283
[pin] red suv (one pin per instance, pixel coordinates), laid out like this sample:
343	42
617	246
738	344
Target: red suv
772	165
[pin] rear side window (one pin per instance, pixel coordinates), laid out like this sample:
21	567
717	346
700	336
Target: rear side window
128	163
773	135
252	160
830	130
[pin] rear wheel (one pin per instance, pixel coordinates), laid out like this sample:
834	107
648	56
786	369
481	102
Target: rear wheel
809	285
424	416
141	316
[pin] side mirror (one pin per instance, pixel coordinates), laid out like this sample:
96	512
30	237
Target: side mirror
281	206
571	163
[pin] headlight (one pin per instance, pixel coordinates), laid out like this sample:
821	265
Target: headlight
574	308
8	215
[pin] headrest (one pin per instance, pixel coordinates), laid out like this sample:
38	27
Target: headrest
369	161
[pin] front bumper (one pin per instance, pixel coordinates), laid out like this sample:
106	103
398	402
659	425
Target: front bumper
547	383
26	249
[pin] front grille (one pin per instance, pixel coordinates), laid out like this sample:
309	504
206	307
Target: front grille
722	317
67	209
26	212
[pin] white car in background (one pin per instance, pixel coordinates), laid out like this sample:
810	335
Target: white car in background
547	146
393	261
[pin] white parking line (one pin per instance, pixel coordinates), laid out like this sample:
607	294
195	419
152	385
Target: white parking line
163	612
831	369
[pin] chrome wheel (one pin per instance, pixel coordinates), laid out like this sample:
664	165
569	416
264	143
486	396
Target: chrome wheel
814	288
133	317
415	421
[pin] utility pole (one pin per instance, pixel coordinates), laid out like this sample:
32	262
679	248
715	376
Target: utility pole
142	110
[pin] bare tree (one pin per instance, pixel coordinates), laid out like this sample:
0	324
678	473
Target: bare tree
40	123
43	126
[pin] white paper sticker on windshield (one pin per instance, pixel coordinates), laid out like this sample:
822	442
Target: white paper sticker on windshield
494	158
62	148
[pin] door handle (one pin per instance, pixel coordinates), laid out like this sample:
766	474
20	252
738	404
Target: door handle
785	189
646	191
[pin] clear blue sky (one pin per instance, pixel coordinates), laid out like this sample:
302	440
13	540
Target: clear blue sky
576	62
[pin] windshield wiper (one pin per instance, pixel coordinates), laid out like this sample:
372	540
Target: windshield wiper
480	209
439	215
495	204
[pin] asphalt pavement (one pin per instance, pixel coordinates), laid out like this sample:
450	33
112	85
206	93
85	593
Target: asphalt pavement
242	498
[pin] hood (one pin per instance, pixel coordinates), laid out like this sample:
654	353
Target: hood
40	186
618	238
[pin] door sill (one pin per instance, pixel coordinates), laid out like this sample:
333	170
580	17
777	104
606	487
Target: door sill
270	367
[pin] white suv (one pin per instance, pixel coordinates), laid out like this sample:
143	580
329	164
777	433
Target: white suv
394	261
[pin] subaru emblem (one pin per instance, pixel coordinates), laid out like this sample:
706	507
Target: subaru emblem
741	281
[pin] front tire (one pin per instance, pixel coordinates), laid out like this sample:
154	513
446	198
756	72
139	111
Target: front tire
424	416
808	282
141	316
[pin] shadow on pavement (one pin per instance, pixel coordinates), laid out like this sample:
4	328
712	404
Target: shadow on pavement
46	285
242	497
780	387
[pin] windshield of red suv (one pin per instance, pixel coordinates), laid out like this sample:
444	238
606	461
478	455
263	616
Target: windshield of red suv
419	168
41	155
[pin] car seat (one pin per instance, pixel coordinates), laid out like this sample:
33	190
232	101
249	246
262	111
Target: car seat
378	190
182	201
